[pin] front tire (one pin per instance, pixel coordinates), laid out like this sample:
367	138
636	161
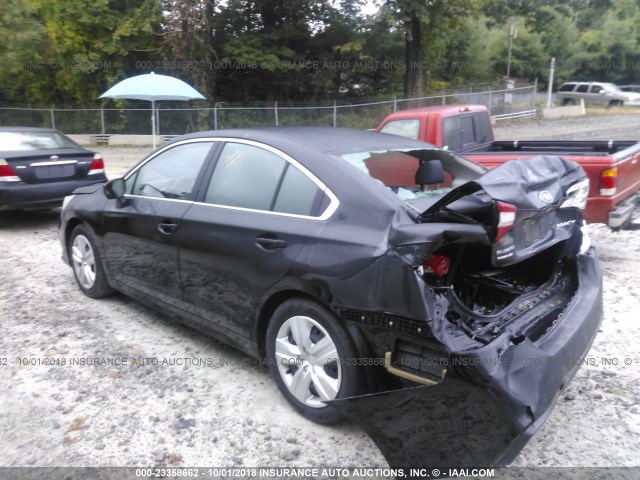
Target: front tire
312	359
86	261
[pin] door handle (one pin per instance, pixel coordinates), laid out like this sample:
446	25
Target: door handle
167	228
270	243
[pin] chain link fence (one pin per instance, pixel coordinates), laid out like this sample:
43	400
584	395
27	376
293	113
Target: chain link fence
512	102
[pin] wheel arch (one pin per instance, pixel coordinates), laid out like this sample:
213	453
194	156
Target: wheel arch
69	227
267	309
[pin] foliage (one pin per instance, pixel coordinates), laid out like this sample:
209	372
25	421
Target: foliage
67	52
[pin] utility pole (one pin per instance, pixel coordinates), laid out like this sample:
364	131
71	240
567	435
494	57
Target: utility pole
512	34
552	69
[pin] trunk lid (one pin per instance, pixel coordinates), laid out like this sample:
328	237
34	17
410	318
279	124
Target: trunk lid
523	204
39	166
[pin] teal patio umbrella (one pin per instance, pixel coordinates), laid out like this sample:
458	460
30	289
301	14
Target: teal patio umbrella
153	88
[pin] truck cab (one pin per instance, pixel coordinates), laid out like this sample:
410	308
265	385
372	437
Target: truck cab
454	127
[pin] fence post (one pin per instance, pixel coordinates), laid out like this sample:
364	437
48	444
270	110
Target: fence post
535	93
395	103
335	114
275	111
490	102
53	118
215	116
444	99
102	119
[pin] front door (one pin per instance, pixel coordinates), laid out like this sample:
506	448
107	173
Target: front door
141	238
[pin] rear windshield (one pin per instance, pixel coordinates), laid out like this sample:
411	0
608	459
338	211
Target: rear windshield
12	141
396	168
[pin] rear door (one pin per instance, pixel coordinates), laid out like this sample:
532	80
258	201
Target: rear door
141	238
255	218
597	98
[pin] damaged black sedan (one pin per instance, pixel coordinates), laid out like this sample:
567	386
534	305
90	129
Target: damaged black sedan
441	306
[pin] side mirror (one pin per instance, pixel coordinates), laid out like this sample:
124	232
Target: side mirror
602	92
115	189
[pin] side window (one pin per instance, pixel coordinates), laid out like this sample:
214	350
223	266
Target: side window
483	127
583	88
409	128
171	174
252	177
567	87
595	88
245	176
297	193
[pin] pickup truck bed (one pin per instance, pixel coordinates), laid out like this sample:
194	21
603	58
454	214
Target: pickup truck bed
613	167
593	156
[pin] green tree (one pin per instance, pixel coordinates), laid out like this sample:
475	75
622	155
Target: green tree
96	43
436	17
609	52
23	46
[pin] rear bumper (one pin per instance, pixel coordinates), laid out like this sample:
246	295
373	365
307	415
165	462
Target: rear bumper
492	400
625	212
23	196
615	210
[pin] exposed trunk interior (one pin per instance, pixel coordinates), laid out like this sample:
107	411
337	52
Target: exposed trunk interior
485	299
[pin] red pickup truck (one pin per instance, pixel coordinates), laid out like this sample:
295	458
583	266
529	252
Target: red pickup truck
613	167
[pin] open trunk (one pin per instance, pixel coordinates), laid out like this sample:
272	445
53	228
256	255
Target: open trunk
526	273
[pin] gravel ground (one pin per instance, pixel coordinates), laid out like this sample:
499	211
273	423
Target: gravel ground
231	413
624	125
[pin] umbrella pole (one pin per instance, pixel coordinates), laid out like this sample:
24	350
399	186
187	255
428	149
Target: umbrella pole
153	122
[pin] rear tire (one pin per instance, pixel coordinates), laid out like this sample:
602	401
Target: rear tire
86	261
312	358
568	102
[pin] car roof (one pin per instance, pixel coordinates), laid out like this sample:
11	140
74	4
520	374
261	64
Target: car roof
589	83
444	110
313	139
27	129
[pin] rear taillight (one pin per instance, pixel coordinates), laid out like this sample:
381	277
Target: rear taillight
97	165
6	172
609	182
577	195
436	264
506	219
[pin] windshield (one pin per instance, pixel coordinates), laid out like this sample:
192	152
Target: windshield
396	168
611	88
20	141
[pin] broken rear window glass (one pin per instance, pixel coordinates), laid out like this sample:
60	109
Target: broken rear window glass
396	169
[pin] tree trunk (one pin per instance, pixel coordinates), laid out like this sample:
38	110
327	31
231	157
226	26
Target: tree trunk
414	54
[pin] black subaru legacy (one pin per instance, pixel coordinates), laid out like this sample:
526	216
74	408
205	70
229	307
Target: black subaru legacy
441	306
